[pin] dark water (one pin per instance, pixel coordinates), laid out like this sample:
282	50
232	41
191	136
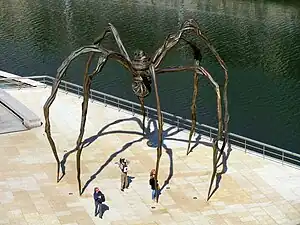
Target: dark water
259	41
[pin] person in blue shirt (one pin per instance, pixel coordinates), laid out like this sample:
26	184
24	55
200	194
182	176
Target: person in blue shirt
99	199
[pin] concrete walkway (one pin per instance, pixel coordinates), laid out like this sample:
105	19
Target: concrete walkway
252	191
9	122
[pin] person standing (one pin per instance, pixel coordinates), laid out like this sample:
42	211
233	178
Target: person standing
123	165
152	183
99	198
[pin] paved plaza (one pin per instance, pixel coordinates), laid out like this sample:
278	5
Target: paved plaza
251	191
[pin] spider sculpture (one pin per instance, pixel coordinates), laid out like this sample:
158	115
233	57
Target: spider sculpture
144	70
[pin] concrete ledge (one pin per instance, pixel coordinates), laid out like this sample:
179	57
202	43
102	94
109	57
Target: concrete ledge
23	80
30	120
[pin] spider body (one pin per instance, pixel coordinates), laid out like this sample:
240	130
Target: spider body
141	84
144	70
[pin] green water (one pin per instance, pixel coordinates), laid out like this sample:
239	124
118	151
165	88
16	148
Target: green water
258	40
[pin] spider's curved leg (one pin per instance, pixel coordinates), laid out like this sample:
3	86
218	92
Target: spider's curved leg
216	148
111	29
195	93
160	128
86	93
201	71
61	72
198	55
193	107
87	81
143	111
172	40
98	40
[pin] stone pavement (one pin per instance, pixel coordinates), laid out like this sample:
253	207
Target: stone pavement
252	191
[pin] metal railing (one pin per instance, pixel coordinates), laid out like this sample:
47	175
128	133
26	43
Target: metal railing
242	143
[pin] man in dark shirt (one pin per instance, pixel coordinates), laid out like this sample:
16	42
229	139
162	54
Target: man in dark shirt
99	199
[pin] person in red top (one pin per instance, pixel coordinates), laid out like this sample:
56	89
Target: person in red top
152	183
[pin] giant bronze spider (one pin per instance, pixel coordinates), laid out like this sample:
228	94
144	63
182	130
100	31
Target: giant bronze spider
144	70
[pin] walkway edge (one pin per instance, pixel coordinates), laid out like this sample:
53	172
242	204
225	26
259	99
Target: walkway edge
30	119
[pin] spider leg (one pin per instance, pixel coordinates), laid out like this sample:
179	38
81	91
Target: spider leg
86	93
216	149
107	30
195	93
172	40
193	108
160	127
143	112
200	70
61	72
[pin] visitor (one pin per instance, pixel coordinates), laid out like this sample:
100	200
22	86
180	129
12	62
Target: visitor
99	198
152	184
123	165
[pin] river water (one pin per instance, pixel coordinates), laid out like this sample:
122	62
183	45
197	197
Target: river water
258	40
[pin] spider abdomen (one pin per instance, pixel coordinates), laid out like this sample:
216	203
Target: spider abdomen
141	86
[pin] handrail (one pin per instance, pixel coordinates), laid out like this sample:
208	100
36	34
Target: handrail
246	144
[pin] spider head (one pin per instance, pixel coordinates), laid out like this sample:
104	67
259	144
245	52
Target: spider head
139	55
140	61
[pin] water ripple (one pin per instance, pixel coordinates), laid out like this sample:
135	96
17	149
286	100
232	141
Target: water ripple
260	43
